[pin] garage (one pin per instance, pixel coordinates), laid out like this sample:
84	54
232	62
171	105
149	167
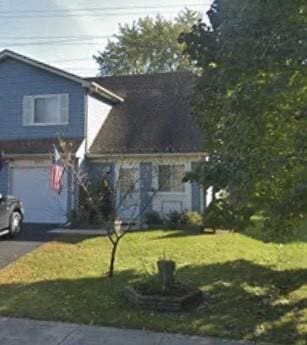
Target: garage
31	184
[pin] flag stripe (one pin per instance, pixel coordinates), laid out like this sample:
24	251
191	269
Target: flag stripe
57	172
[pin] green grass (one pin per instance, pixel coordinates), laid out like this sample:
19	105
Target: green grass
257	290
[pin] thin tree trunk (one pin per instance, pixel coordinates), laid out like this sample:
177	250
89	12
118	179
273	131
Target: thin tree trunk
112	258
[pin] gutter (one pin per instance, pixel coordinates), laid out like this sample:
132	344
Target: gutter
27	155
144	155
30	156
105	93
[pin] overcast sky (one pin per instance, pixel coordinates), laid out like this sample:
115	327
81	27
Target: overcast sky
66	33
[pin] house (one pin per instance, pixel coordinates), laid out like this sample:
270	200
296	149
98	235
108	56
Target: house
137	128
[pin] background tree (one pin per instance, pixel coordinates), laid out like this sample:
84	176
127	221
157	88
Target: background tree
251	105
147	46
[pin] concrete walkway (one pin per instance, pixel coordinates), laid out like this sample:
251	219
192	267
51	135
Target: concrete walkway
29	332
86	232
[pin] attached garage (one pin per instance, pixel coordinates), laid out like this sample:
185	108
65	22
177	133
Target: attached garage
26	175
30	182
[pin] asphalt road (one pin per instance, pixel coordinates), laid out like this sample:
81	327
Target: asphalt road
31	237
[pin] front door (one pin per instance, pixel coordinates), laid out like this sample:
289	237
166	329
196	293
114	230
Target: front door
128	196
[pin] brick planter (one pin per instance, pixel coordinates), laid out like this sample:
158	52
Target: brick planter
167	303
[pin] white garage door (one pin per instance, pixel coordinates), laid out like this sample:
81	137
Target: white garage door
42	205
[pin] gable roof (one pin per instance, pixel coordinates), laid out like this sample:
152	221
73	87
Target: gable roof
93	87
155	117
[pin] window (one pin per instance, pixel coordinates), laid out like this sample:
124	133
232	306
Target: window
46	110
170	178
127	180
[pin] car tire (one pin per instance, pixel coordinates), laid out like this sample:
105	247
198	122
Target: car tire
15	223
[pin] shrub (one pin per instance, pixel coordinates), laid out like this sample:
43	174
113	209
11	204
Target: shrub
101	195
153	217
221	214
73	218
193	218
173	219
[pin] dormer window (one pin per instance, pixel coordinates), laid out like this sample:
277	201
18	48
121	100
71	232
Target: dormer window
46	110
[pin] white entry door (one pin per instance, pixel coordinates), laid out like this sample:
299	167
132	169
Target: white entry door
32	186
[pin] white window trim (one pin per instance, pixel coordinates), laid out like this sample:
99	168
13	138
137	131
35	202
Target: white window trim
41	124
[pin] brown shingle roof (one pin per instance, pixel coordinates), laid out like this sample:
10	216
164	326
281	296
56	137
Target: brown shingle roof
155	116
35	146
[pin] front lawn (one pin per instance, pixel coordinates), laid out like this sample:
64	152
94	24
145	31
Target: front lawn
257	290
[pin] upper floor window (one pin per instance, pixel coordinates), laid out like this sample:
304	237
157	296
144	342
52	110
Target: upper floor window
46	110
170	178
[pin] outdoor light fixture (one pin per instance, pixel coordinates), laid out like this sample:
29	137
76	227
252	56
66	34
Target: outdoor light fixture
117	226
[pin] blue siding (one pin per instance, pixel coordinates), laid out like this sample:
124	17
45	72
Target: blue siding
17	80
4	177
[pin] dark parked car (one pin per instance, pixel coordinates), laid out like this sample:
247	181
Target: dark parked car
11	215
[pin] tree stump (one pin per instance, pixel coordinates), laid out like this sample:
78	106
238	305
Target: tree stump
166	270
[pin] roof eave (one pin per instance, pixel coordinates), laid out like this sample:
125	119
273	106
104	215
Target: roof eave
144	154
27	155
110	96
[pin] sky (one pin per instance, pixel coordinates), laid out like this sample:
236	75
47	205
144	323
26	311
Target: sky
67	33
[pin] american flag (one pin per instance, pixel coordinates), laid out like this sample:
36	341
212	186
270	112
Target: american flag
57	171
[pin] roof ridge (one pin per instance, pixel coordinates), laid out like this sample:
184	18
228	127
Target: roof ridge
144	75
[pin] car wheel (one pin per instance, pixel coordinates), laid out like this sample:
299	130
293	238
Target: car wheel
15	223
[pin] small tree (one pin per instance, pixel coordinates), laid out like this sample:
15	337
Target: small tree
119	201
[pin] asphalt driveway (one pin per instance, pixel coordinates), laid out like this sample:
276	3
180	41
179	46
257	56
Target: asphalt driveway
31	237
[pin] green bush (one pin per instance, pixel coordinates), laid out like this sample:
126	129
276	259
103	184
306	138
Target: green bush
193	218
222	215
101	195
153	217
173	219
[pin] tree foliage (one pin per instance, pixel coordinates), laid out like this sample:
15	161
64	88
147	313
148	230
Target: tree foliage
149	45
251	104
